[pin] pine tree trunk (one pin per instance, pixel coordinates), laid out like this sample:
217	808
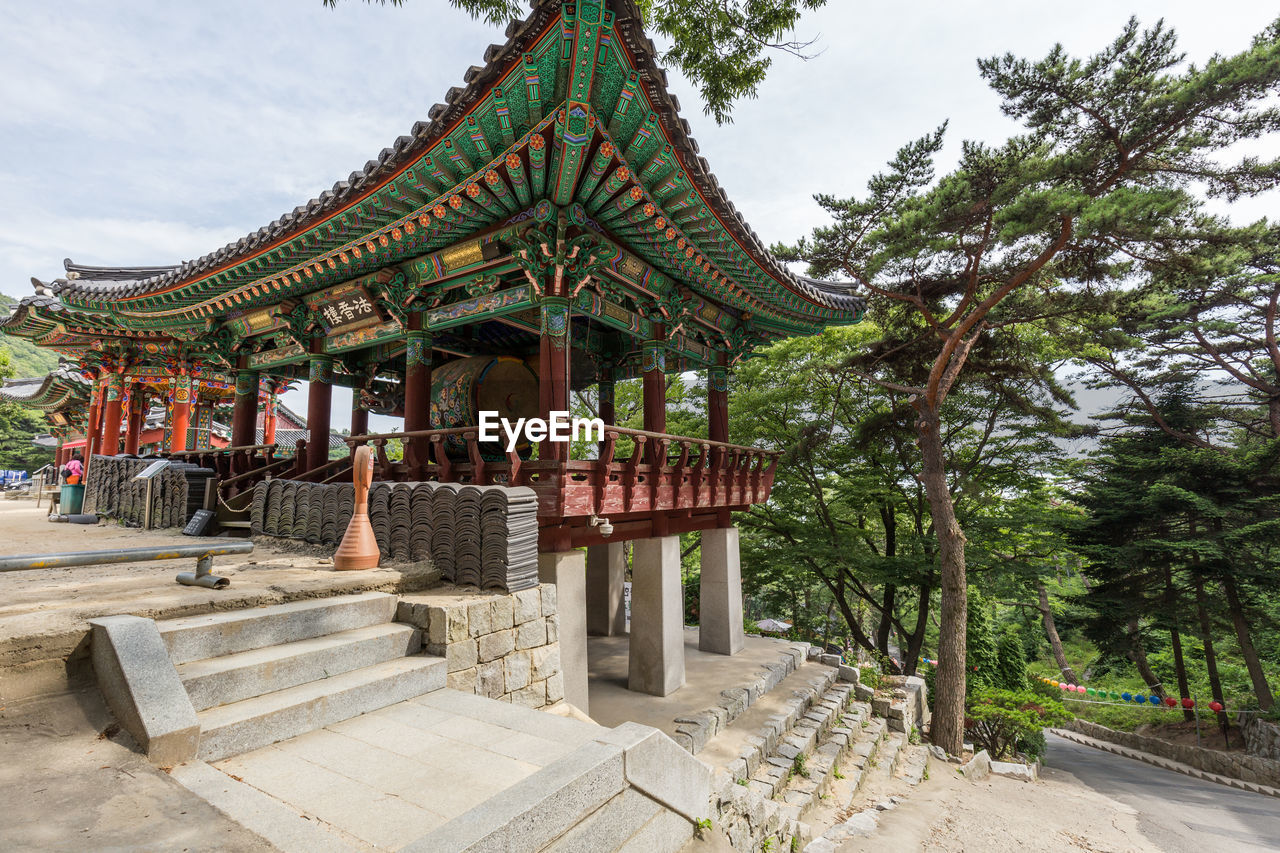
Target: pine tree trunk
1051	631
1175	639
1261	687
947	728
1211	657
1138	654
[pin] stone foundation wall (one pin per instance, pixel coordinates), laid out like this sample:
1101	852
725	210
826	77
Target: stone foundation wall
1248	768
504	646
903	701
1261	738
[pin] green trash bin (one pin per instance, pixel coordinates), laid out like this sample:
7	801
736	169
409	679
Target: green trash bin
72	500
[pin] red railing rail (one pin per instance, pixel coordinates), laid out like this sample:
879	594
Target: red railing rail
663	472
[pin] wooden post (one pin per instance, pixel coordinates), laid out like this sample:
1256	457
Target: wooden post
94	422
269	417
319	401
359	414
417	390
607	407
112	415
718	400
553	368
653	364
244	412
180	413
137	417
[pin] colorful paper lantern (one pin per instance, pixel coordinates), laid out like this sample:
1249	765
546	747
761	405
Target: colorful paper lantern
1216	706
1140	699
1079	688
1115	696
1170	701
1188	703
1126	696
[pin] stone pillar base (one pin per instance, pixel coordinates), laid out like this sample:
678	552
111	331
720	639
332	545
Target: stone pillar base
720	593
568	571
656	662
606	574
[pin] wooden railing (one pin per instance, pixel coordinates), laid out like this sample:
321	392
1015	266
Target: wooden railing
237	468
662	472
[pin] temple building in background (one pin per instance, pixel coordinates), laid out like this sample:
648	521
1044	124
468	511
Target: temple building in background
550	227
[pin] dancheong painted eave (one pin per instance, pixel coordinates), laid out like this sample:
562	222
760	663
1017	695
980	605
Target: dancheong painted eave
602	141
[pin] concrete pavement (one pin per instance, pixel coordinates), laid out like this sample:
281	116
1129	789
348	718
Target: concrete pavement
1177	813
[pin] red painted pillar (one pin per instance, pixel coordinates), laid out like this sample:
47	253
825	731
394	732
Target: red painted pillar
137	417
319	402
417	389
180	417
607	406
653	363
94	423
112	414
244	412
718	399
269	418
553	368
359	415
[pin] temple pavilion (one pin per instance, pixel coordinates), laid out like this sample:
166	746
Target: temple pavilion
549	227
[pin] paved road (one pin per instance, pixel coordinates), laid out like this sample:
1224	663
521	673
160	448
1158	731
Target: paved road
1177	813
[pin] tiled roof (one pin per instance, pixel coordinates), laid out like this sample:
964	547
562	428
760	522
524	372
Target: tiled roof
89	284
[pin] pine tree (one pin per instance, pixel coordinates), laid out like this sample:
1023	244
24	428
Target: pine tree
980	649
1011	664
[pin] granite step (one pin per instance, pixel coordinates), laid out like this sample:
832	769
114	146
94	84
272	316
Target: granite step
243	675
803	790
251	723
773	775
212	635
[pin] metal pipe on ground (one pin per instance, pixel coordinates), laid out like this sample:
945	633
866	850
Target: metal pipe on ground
204	554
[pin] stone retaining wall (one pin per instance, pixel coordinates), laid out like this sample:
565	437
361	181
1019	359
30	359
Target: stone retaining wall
1248	768
504	646
1261	738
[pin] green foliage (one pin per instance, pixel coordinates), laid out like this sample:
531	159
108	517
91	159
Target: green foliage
870	676
18	426
998	720
1011	665
980	645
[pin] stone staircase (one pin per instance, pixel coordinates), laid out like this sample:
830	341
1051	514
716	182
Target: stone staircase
320	725
259	676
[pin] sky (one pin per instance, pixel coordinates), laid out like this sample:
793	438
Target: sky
153	132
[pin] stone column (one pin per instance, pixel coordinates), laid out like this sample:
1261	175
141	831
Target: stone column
244	412
180	408
720	593
606	574
137	419
657	617
567	570
319	400
112	415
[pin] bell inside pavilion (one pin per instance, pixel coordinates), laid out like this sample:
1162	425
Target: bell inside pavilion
551	226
